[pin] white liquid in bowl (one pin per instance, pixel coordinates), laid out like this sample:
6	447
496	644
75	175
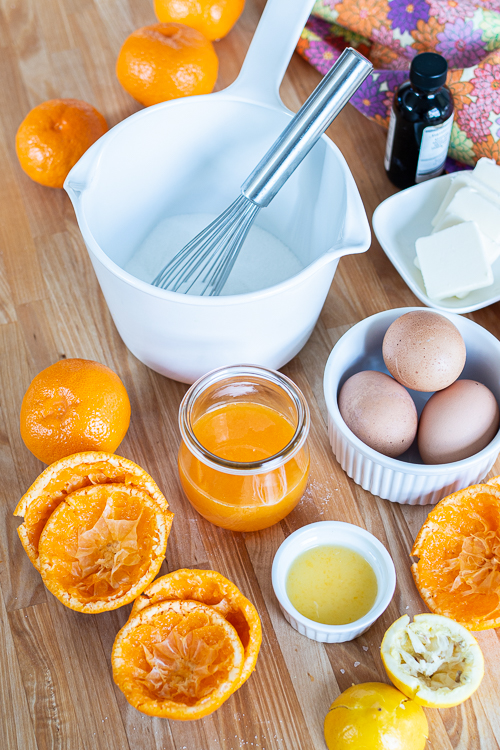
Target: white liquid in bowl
263	260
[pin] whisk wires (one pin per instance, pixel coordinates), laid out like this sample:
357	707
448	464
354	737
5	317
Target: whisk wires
204	264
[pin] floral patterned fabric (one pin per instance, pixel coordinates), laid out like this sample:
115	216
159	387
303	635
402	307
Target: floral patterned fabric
391	32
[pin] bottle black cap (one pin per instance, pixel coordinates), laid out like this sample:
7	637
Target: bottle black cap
428	71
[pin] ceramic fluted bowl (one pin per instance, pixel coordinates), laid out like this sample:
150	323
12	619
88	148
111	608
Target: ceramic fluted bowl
345	535
406	479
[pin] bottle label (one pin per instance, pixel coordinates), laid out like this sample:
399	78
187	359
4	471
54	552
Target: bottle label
390	140
433	150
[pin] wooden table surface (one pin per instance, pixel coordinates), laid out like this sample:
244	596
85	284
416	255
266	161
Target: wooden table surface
56	686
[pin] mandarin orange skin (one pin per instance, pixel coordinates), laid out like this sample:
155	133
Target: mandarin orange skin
79	554
195	674
212	588
63	477
166	61
214	18
469	515
53	137
72	406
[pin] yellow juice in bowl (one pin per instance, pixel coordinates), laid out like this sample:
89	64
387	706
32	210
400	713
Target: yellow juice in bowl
251	470
332	584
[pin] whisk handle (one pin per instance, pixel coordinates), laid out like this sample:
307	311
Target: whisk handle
306	127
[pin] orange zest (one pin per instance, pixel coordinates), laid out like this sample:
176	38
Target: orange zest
74	405
72	473
177	659
214	18
102	546
458	571
213	589
54	135
166	61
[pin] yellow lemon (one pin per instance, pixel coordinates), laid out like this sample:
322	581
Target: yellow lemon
433	660
375	716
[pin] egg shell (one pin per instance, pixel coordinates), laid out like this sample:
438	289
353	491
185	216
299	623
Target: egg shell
379	411
424	351
457	422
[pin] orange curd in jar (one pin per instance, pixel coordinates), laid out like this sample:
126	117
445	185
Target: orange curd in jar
243	460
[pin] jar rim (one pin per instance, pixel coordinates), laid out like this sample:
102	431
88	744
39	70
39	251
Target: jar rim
240	467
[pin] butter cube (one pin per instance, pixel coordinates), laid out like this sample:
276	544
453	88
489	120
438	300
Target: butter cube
453	262
475	179
457	183
487	171
491	249
469	205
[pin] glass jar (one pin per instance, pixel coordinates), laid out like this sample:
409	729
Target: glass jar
243	460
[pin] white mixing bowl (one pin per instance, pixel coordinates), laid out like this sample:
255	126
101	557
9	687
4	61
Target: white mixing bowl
191	156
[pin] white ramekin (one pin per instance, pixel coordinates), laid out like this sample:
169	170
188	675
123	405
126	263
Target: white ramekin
402	481
345	535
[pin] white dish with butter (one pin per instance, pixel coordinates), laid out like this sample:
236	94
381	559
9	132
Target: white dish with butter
405	217
343	535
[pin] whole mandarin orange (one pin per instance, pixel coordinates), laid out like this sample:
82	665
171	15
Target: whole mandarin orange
72	406
214	18
166	61
54	135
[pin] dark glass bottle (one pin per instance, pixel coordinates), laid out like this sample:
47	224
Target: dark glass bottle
420	125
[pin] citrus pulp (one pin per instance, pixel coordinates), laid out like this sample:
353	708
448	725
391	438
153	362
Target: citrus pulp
177	659
458	570
212	588
433	660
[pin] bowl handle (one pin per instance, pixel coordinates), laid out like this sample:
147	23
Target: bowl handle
270	51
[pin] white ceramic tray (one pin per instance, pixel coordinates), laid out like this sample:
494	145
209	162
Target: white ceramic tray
400	220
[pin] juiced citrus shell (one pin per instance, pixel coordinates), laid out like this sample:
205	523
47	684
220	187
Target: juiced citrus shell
177	659
69	474
458	571
210	587
102	546
433	660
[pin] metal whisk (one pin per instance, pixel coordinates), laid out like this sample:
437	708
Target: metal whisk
208	259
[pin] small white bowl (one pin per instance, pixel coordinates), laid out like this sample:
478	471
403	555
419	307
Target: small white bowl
406	479
404	217
344	535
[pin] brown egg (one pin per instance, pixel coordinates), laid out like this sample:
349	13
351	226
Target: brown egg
379	411
424	351
457	422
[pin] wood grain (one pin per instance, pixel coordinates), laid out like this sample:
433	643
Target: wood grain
56	687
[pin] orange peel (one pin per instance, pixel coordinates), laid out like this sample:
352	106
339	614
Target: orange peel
212	588
102	546
72	473
177	660
458	570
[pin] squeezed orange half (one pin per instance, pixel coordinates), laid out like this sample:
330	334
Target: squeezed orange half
244	433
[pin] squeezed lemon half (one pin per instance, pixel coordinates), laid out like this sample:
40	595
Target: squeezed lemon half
433	660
